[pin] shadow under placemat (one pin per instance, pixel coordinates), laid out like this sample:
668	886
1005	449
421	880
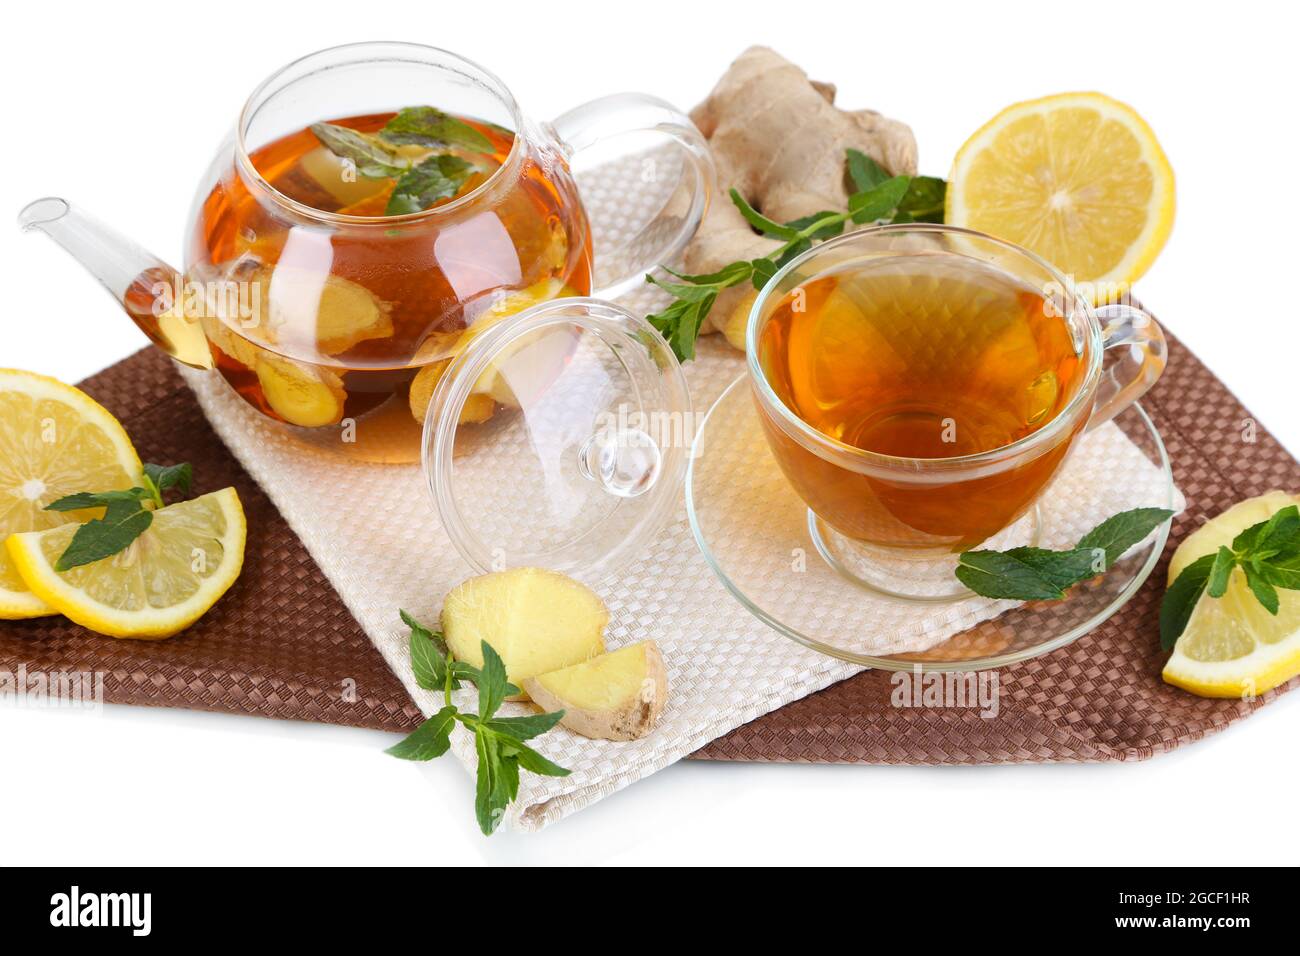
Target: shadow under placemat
281	643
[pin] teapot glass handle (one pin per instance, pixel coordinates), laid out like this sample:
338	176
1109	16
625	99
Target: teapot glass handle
636	117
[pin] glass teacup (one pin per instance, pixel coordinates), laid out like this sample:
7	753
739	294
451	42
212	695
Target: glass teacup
921	386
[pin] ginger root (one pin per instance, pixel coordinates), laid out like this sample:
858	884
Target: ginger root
616	696
779	140
536	620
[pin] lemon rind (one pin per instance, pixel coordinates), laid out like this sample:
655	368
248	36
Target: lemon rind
1261	670
22	605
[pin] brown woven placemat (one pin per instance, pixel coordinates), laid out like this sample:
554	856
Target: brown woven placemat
281	644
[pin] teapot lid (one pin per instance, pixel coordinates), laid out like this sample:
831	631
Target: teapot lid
558	438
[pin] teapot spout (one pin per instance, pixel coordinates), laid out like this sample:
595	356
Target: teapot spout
144	286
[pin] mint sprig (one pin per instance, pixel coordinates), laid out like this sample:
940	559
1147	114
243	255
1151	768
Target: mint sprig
1268	553
498	741
438	177
125	515
419	185
426	126
1037	574
877	197
372	157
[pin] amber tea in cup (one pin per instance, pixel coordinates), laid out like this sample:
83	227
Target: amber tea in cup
921	386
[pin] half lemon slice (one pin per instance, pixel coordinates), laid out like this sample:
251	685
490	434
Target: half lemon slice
1078	178
1232	646
162	583
54	441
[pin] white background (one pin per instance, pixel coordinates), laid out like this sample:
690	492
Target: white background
118	107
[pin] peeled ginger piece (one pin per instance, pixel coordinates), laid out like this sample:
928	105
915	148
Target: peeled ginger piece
477	409
300	394
616	696
536	620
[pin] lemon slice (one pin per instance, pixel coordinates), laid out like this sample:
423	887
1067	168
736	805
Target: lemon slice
1232	646
1078	178
162	583
54	441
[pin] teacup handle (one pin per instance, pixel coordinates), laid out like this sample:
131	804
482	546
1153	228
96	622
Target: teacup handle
665	235
1133	356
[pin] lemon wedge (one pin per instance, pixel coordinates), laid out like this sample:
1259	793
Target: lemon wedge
1232	646
1078	178
54	441
162	583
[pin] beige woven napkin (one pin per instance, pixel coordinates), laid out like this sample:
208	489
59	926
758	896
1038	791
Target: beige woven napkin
376	537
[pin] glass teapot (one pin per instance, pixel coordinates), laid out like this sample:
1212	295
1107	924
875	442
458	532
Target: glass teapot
377	206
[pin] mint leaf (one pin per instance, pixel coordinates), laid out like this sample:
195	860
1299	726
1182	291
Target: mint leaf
1279	534
532	761
833	224
924	201
1036	574
761	271
1120	532
1181	597
1281	573
878	202
123	522
686	293
726	276
864	172
679	323
1264	592
428	656
439	643
426	126
430	740
167	477
1023	574
1220	572
160	478
524	728
438	177
492	791
492	682
760	222
373	158
97	499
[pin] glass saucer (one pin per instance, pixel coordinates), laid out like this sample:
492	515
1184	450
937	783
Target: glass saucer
754	532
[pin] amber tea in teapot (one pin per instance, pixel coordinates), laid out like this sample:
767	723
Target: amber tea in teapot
342	328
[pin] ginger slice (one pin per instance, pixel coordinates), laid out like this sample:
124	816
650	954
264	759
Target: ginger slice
477	409
298	393
441	347
320	311
536	620
778	138
339	177
616	696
